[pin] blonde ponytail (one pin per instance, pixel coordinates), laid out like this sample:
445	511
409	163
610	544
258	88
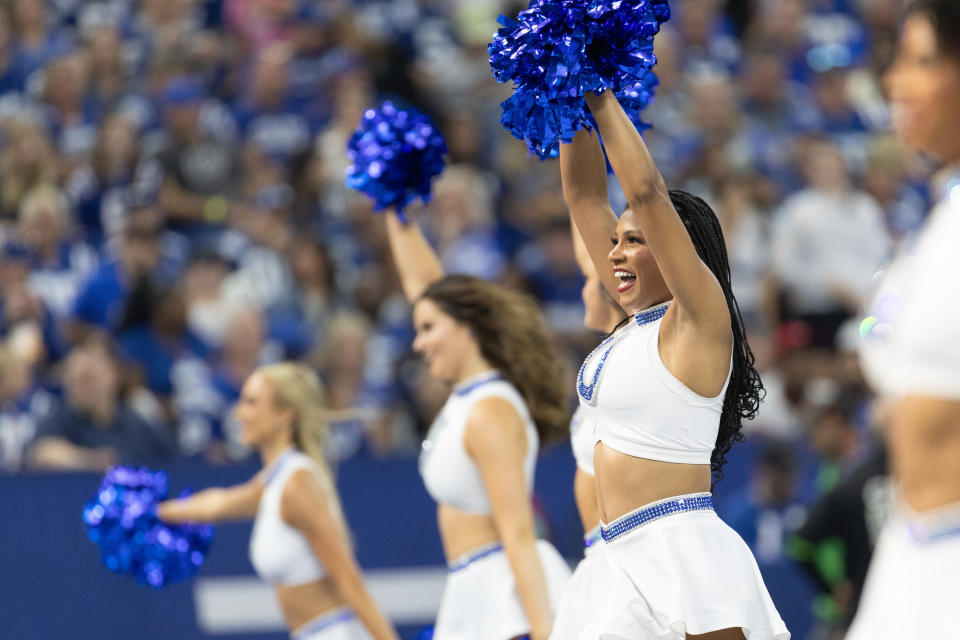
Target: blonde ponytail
297	387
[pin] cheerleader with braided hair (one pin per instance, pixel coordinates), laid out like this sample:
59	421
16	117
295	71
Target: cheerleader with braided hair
666	395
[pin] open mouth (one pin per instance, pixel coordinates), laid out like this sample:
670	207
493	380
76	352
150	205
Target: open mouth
626	278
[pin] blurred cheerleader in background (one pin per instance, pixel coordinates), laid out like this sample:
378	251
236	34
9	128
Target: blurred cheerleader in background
300	541
911	352
478	459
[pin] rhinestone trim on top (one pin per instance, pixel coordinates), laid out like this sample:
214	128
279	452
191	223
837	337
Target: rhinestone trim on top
642	318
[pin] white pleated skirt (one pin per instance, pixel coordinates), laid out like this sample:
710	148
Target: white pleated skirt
339	624
913	586
584	594
683	573
480	600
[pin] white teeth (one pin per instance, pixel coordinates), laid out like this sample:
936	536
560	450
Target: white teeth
619	273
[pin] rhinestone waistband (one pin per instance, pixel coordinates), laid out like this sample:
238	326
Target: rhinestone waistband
323	621
481	552
654	511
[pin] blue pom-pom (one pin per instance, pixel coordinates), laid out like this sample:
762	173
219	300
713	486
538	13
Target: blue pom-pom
557	51
121	519
394	155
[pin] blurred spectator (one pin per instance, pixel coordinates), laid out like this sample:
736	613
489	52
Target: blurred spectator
107	81
461	220
766	514
888	181
71	116
836	541
35	43
706	39
344	364
553	275
836	117
27	161
269	119
774	110
8	82
24	315
93	427
747	235
204	392
263	278
771	507
834	436
60	264
154	346
828	242
200	171
101	187
22	406
206	307
102	300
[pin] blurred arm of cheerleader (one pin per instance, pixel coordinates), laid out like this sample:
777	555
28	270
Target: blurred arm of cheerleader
218	504
306	507
583	172
416	261
495	438
701	304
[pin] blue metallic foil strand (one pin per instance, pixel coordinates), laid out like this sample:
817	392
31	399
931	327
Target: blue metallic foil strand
394	154
556	51
121	520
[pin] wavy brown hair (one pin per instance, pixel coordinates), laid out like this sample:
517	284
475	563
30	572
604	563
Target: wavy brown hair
513	337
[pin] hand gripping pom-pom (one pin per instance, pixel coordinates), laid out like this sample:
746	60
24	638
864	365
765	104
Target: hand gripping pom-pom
557	51
121	519
394	154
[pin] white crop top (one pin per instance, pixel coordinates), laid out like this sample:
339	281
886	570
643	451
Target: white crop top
910	341
582	440
638	407
449	473
279	553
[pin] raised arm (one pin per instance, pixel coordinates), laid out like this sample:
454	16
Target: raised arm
306	507
239	502
499	454
583	171
693	285
416	261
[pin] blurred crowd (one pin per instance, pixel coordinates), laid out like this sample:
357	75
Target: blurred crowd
173	215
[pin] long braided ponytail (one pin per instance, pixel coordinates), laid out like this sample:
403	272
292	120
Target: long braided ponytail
745	391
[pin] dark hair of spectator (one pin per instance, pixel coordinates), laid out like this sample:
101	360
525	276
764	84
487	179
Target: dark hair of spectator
745	390
944	15
102	343
513	337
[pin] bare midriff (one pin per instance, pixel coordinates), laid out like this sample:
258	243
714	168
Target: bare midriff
302	603
585	493
461	532
924	442
625	483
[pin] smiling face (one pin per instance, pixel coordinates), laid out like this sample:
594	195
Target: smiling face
924	88
441	341
262	422
641	283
